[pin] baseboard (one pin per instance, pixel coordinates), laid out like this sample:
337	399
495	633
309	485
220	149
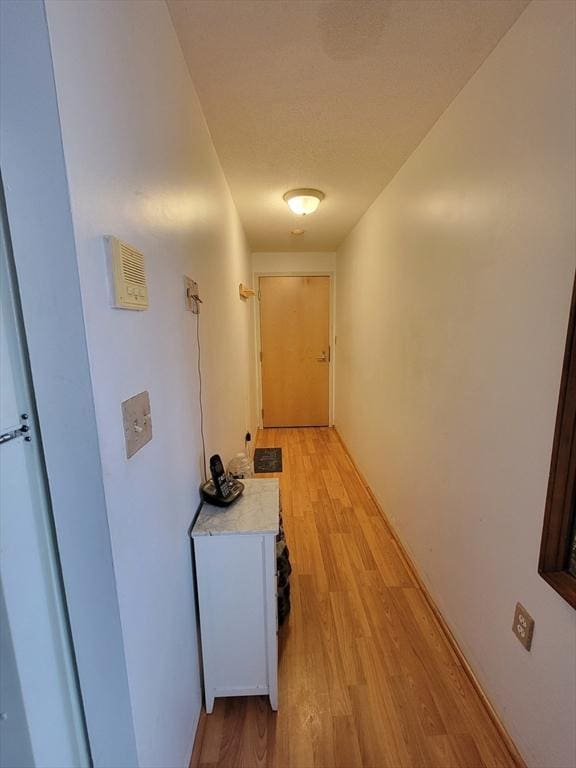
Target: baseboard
506	738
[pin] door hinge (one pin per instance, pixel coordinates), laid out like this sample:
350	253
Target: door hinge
329	353
259	295
260	355
262	412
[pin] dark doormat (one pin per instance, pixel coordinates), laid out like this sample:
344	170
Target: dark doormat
268	460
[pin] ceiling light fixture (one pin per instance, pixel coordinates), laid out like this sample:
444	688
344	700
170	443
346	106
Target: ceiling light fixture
303	201
296	231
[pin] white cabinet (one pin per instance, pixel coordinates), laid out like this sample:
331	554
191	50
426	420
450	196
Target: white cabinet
235	553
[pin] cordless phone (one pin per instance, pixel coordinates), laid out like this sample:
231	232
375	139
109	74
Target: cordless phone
219	476
221	491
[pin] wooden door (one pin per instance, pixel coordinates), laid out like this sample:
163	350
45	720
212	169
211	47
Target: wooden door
295	345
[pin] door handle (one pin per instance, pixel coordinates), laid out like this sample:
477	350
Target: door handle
324	358
13	434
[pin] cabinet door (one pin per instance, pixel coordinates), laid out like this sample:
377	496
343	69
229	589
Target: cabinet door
233	594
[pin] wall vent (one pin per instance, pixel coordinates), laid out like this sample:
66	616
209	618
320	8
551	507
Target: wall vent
130	290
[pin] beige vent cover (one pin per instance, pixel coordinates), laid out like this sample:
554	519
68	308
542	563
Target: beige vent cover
128	275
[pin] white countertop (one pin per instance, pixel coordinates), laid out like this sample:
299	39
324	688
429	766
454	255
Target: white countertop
256	511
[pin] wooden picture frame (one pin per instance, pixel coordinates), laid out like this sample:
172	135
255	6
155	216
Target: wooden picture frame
559	518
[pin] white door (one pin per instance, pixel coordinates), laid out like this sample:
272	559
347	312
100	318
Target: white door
41	718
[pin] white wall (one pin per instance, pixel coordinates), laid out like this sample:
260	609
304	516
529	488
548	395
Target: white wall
141	166
38	207
284	262
453	299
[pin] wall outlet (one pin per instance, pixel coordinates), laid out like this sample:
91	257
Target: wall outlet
523	626
191	296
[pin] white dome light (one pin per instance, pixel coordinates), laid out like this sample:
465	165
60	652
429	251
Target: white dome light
303	202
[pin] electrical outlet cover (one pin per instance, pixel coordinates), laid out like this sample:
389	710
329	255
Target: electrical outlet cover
191	290
523	626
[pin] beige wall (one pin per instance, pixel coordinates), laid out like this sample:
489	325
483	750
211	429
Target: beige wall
285	262
141	166
453	299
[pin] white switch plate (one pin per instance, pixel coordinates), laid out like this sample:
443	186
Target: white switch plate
137	422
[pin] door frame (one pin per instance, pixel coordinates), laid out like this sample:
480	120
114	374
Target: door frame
331	273
45	669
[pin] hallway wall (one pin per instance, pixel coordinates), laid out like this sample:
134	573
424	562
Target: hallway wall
452	305
141	166
294	261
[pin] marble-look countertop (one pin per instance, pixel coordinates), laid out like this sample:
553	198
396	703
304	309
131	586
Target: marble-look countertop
256	511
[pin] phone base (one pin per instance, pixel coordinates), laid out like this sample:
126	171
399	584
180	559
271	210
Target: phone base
210	494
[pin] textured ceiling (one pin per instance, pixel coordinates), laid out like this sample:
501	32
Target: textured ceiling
328	94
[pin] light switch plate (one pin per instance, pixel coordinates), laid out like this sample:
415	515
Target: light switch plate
137	422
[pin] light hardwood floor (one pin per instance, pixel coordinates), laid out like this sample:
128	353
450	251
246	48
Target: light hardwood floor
367	677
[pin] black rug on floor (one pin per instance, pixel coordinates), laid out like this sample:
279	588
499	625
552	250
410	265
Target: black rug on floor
268	460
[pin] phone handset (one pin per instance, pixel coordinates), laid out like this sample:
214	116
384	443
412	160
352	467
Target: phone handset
222	490
219	477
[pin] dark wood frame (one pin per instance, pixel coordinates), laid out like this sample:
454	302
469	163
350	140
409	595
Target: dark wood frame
560	502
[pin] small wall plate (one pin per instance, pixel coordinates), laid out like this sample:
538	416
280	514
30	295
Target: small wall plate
137	422
191	295
523	626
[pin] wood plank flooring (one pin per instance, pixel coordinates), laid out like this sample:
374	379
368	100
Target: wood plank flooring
367	677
